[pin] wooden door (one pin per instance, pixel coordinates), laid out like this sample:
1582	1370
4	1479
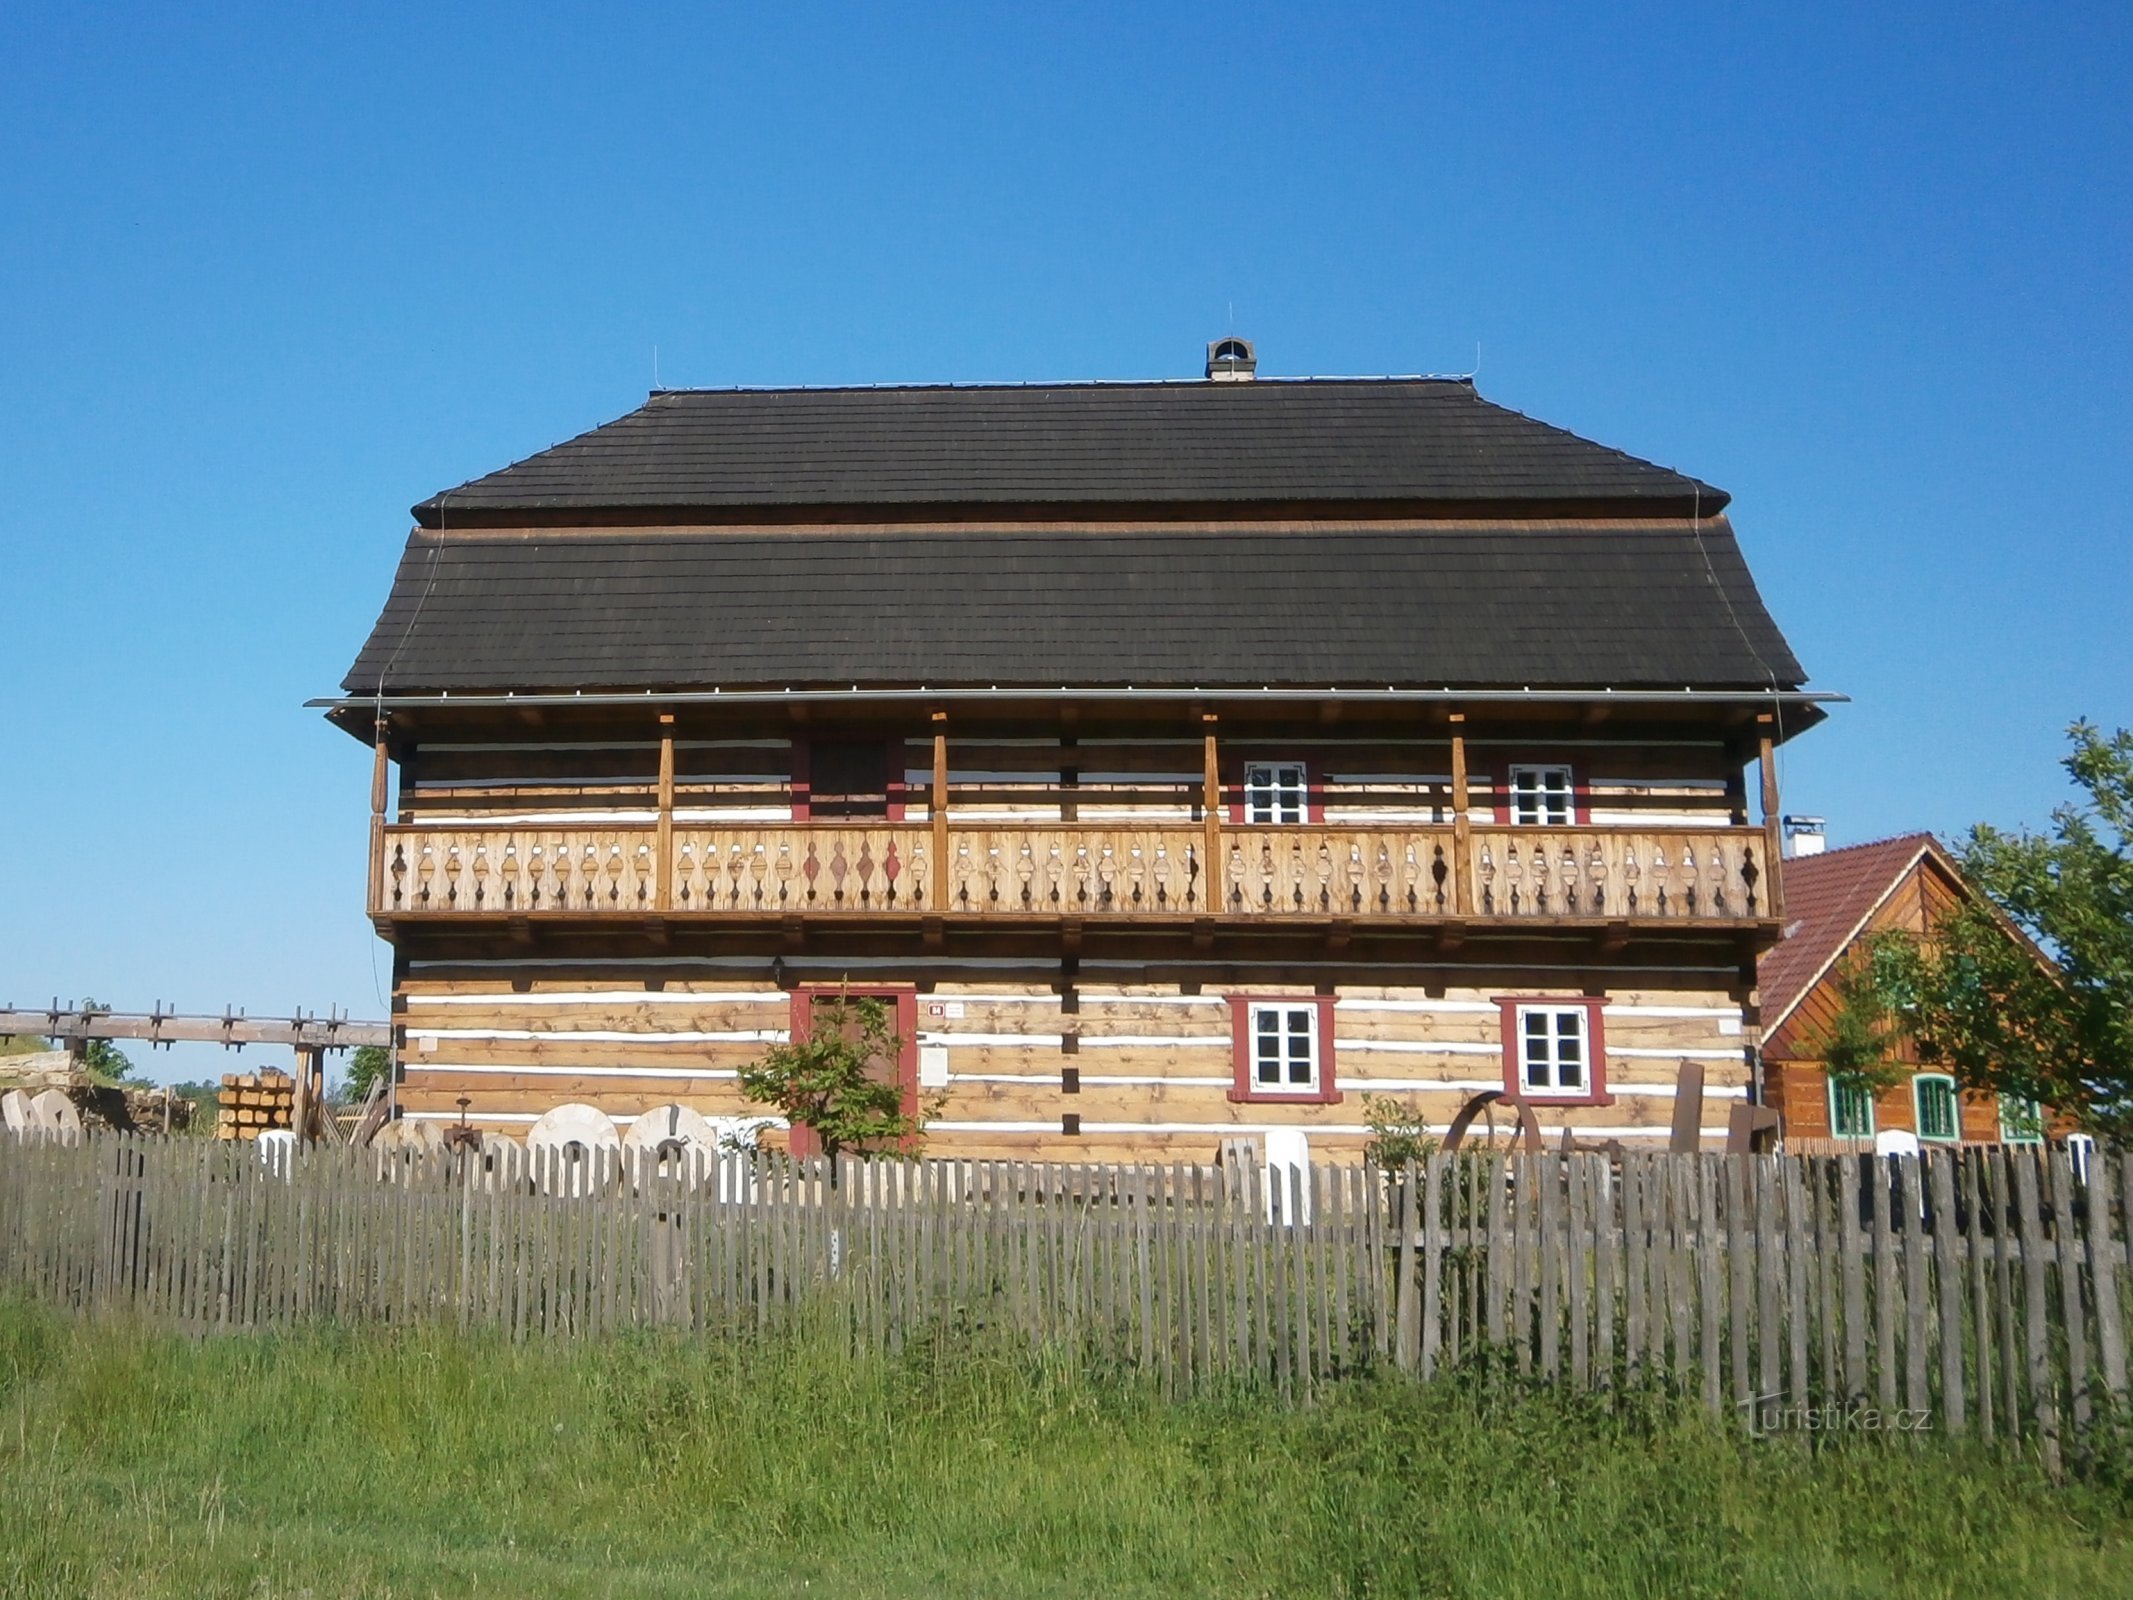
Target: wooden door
901	1004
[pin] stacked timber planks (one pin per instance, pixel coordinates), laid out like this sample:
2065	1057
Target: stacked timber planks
251	1103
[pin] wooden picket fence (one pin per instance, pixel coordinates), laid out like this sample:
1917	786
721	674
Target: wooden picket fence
1977	1291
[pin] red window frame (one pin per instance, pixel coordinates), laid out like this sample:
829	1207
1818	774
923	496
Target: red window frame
1499	780
1514	1074
1233	785
1244	1090
895	759
903	999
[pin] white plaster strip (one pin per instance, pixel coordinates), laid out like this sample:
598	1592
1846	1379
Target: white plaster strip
628	997
608	1035
515	1070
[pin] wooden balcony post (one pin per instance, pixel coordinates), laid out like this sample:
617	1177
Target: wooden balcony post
1462	828
380	783
937	810
1773	835
1211	811
663	851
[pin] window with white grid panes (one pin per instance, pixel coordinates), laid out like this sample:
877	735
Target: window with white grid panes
1934	1097
1283	1039
2021	1121
1554	1050
1542	796
1276	791
1851	1110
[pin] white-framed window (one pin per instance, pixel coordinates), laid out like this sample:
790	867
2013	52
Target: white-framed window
1282	1036
1554	1050
1276	791
1851	1110
1542	796
2021	1121
1933	1095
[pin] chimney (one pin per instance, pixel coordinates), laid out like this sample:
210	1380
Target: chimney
1804	836
1231	361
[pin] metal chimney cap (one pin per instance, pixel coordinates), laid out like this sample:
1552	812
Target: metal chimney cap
1231	360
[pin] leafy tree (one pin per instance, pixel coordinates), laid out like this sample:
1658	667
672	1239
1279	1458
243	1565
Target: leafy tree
1977	1001
1399	1132
1859	1047
827	1081
367	1064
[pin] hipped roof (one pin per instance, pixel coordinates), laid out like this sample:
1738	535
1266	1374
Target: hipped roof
1628	604
1314	441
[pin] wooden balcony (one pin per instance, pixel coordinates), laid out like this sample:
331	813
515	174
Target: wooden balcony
979	871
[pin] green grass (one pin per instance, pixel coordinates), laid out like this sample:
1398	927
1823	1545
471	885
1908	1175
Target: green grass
370	1463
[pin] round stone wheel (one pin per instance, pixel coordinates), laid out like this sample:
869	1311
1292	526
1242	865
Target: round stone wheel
673	1142
574	1149
408	1134
501	1163
53	1112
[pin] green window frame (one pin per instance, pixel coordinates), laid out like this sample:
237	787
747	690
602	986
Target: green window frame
1933	1099
1851	1110
2021	1120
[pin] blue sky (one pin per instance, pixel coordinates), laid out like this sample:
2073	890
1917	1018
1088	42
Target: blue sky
268	275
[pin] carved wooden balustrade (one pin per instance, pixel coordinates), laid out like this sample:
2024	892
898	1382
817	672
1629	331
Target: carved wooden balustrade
993	869
1338	871
1077	870
1638	874
816	867
471	869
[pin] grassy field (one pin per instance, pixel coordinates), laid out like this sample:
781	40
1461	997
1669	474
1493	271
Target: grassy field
343	1464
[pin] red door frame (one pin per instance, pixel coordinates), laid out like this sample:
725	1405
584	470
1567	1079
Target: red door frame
903	999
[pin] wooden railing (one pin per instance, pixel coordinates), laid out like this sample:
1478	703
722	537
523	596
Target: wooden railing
1636	873
1384	872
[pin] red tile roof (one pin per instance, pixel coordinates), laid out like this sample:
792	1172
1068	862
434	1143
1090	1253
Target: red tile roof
1828	899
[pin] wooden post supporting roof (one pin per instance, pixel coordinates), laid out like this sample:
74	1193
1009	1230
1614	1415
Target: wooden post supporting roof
937	809
1773	834
1461	827
663	863
379	785
1211	811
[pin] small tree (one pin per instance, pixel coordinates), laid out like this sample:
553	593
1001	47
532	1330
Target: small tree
368	1064
1858	1049
827	1081
1973	995
1399	1133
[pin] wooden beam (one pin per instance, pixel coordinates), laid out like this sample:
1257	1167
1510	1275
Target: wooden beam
937	808
1773	834
380	778
1461	828
663	853
166	1027
300	1112
1211	811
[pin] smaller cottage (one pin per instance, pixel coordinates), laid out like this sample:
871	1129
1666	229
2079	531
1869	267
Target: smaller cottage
1834	901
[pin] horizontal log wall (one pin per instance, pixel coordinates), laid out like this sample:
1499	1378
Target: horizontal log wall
1152	1065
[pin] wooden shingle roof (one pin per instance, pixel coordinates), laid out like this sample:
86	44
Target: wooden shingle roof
1317	441
1622	604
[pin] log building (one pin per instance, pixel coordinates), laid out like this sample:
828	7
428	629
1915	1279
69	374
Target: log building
1179	760
1835	903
